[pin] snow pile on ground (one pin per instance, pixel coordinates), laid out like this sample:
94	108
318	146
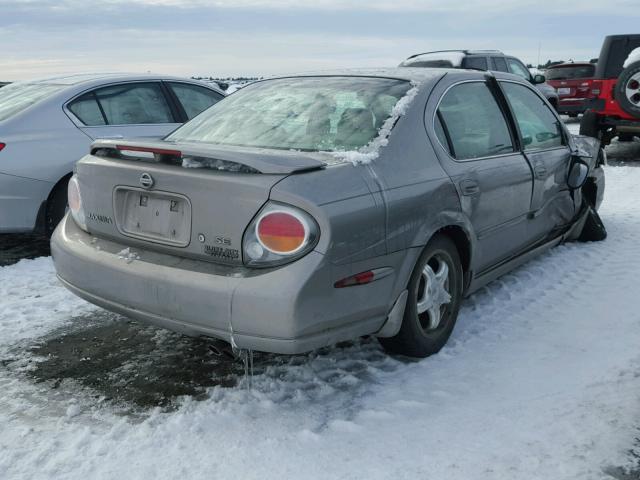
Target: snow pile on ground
540	380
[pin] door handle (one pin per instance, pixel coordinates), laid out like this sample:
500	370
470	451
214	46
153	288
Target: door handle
540	170
469	187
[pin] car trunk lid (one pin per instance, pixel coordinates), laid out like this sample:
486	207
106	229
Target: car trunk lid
187	200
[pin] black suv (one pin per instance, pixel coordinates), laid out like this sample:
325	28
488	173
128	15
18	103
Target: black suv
493	60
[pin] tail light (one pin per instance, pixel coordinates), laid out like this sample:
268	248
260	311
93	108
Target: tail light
596	88
2	145
74	200
279	234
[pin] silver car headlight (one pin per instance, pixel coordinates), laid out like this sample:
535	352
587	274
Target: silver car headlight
74	200
279	234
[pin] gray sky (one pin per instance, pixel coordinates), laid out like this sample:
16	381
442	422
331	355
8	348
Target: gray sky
264	37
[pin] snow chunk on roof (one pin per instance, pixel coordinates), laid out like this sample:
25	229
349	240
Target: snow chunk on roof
371	151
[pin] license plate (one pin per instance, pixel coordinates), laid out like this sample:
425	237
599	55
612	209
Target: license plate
155	216
564	91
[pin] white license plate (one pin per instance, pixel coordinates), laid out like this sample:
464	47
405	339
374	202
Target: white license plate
564	91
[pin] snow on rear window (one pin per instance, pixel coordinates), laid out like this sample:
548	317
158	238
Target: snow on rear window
16	97
371	151
329	114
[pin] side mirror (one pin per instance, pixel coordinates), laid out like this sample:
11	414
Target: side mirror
527	140
539	78
577	174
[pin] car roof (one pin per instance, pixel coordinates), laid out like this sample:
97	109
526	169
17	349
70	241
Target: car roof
83	81
417	75
463	51
571	64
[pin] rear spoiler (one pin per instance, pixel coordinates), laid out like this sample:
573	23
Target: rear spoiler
225	158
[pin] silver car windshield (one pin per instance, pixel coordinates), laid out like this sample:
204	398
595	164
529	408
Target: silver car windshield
303	113
16	97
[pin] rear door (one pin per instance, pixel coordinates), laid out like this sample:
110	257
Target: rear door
545	146
493	179
125	110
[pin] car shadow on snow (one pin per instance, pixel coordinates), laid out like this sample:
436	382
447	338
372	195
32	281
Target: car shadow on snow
135	367
15	247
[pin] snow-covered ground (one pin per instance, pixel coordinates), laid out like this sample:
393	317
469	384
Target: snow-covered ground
541	380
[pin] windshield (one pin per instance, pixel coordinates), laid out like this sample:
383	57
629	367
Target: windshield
570	73
304	113
17	97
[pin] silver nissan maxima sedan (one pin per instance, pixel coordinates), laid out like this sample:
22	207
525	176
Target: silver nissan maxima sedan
306	210
47	125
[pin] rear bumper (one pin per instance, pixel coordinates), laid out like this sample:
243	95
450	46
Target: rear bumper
20	200
289	310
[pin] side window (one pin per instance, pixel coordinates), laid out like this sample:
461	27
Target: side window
87	110
479	63
539	126
477	128
519	69
134	103
194	99
500	64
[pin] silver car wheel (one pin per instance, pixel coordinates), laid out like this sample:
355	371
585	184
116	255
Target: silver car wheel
632	89
433	293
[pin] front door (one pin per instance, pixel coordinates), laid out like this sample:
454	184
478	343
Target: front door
545	146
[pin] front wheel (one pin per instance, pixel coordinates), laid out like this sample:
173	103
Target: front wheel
433	301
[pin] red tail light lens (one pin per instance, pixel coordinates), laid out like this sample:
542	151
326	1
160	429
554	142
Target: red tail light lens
2	145
596	88
282	232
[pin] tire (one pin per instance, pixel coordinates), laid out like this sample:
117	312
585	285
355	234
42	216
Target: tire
627	90
418	336
589	125
625	137
56	206
593	230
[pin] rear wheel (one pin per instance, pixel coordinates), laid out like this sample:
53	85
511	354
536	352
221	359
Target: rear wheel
627	90
625	137
56	206
433	301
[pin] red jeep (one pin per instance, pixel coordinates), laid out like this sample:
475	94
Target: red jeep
614	110
573	81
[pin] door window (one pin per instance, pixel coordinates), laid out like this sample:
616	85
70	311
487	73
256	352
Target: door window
518	68
500	64
125	104
479	63
539	126
194	99
86	108
474	121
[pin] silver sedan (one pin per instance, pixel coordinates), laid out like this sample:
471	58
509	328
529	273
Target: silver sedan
47	125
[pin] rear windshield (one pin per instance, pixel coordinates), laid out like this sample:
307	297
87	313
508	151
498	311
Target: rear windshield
304	113
570	73
16	97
